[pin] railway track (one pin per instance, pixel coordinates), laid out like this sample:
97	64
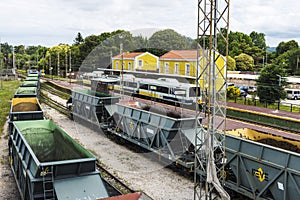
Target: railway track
113	181
54	91
53	104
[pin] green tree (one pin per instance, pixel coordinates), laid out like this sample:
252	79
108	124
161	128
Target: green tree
233	92
256	53
58	55
238	43
244	62
75	57
79	39
20	49
270	84
94	46
258	40
231	65
286	46
169	40
289	60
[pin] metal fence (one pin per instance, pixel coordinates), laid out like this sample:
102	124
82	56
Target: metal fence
279	105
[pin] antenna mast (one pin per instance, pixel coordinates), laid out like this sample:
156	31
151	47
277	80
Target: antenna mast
211	66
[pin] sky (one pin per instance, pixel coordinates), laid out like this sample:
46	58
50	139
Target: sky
51	22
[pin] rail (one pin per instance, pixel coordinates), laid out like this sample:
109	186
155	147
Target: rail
113	181
54	91
53	104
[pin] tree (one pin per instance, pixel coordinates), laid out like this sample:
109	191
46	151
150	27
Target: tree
286	46
169	40
244	62
256	53
79	39
289	60
59	59
258	40
20	49
238	43
233	92
231	65
270	83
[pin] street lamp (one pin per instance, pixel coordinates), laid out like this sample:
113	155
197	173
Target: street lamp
50	67
70	64
279	83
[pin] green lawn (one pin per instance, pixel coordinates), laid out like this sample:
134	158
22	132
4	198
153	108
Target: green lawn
6	94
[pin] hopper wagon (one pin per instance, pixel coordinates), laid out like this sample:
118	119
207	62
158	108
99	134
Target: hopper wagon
24	109
48	164
256	170
26	92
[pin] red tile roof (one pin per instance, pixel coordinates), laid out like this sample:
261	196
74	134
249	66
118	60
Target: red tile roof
127	55
180	54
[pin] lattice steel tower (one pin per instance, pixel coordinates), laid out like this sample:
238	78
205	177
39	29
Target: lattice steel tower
213	25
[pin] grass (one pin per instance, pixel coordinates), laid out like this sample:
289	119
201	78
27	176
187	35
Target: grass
6	94
271	106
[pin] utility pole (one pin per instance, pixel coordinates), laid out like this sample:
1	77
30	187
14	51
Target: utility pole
211	78
70	63
50	67
14	62
58	64
66	62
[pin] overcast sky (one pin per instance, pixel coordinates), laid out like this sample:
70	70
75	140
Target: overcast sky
50	22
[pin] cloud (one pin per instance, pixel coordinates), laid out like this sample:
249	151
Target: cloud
276	19
59	21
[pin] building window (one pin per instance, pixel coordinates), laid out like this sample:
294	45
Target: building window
117	64
187	69
140	63
176	68
166	67
129	65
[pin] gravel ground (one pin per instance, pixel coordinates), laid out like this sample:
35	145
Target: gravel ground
139	172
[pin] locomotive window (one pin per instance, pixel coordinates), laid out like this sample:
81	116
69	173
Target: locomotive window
144	87
163	89
132	84
193	91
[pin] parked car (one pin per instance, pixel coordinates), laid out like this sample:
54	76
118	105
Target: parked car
293	93
252	89
243	90
243	93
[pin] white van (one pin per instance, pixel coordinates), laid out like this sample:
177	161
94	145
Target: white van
293	93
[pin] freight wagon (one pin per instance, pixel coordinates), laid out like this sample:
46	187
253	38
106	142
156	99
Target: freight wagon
49	164
26	92
256	170
24	109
